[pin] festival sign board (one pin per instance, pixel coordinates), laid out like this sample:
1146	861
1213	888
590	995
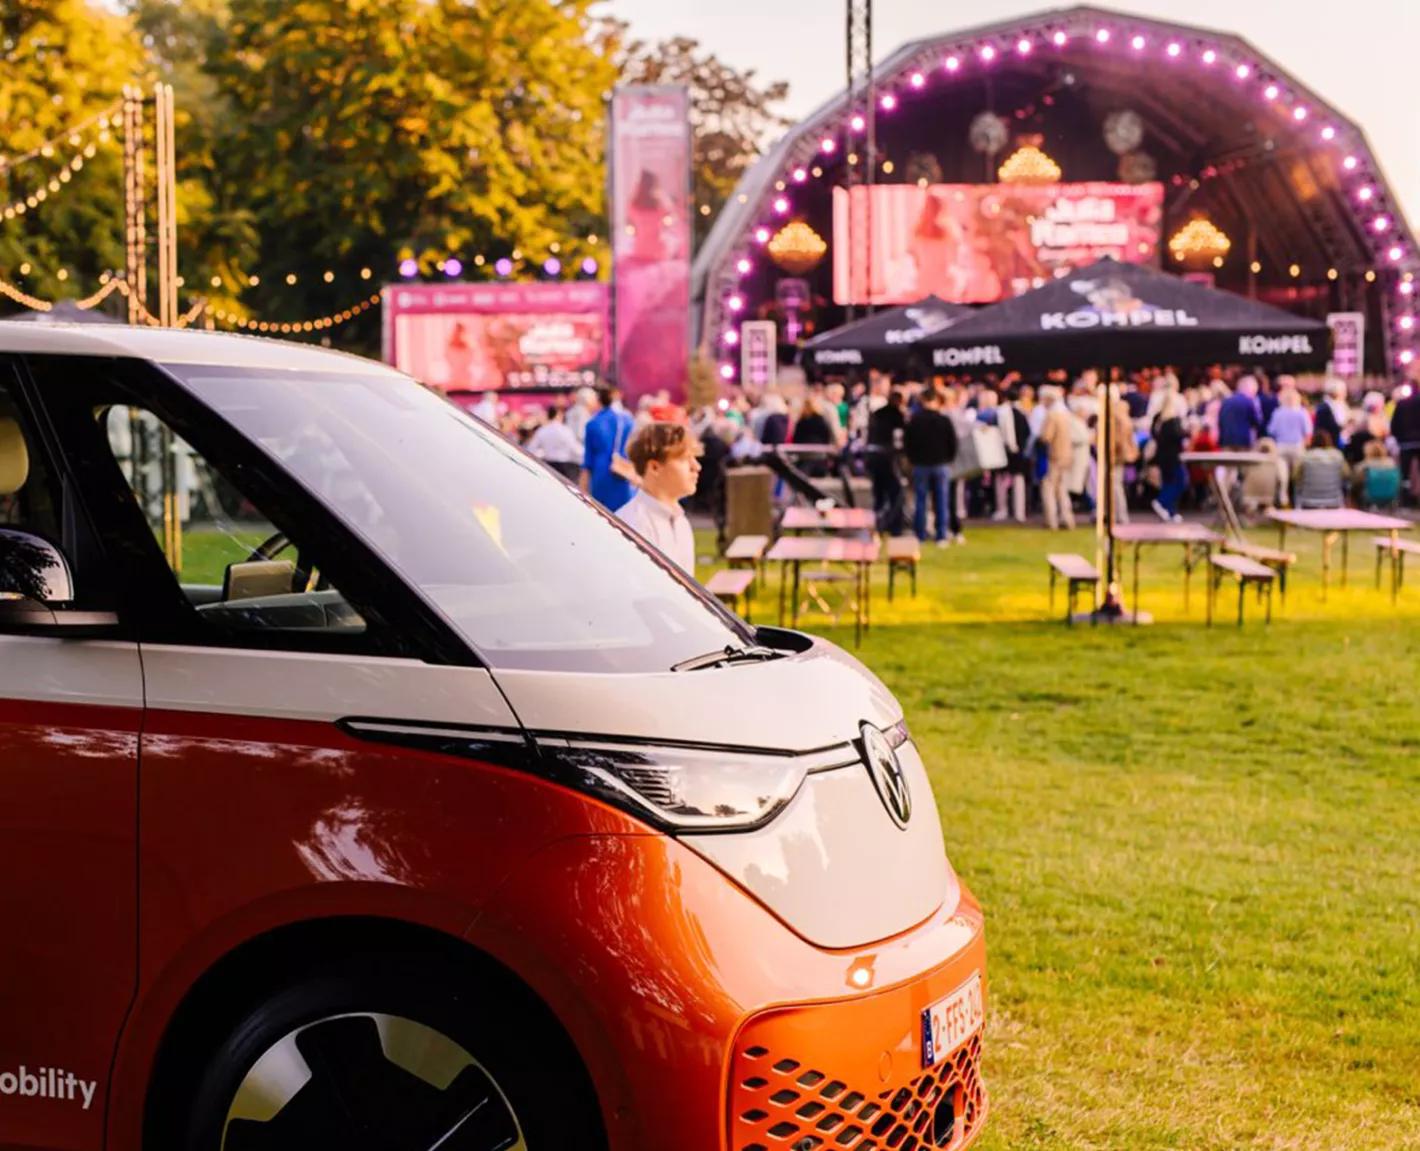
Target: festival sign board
1348	343
651	238
980	243
497	336
759	353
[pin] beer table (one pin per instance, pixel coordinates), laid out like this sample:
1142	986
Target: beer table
798	519
1193	538
794	551
1217	463
1335	523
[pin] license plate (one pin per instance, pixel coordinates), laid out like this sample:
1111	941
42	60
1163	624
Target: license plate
950	1022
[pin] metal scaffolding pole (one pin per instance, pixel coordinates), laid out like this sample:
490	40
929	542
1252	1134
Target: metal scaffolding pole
859	176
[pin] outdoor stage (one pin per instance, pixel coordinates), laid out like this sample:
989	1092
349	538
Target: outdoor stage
990	159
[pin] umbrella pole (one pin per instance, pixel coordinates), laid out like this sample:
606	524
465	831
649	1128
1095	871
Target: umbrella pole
1104	501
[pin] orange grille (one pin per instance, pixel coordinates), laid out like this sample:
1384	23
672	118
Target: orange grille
780	1105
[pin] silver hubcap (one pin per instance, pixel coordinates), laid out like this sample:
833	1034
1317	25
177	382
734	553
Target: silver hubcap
366	1082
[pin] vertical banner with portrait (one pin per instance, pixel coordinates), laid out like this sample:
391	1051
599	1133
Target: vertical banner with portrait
651	238
1348	344
759	354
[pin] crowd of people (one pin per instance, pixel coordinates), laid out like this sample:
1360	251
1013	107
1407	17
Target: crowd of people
943	452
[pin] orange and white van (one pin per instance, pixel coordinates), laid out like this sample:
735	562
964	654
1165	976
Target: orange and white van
364	786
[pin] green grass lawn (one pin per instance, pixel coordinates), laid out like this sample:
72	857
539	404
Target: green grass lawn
1198	850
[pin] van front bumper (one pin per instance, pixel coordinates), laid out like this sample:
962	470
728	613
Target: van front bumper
668	978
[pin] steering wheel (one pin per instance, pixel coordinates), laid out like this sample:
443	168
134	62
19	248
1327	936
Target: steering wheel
273	546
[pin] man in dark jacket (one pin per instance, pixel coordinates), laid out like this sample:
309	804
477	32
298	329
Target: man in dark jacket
1405	427
885	430
1239	417
930	442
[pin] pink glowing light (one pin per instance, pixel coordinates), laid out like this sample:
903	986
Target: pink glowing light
1395	253
1407	288
1175	50
1137	43
727	371
918	80
735	303
743	266
1270	92
1381	223
781	205
827	145
988	53
1365	194
1328	133
1406	323
1299	114
952	64
1059	39
1350	163
761	235
1210	57
800	175
857	122
1407	357
1242	72
731	337
1023	46
1102	36
888	102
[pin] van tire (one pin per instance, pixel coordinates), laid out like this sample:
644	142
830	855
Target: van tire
507	1031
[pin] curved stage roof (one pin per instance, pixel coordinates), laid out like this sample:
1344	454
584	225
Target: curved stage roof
1233	136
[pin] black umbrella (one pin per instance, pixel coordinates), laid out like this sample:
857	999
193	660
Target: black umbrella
885	339
1110	314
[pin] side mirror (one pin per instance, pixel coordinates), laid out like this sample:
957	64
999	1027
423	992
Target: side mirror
33	568
35	587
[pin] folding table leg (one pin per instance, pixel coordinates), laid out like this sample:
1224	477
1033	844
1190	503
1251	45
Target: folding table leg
1242	595
1269	601
1052	592
1345	555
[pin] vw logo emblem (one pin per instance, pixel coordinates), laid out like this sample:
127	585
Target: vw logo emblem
886	773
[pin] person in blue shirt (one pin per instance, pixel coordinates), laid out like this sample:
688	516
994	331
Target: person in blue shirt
606	436
1240	417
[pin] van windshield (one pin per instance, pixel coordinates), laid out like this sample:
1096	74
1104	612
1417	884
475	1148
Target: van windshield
533	575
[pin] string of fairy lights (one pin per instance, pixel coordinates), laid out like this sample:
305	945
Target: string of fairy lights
73	147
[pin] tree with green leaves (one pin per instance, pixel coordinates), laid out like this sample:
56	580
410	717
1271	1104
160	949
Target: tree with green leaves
357	131
62	64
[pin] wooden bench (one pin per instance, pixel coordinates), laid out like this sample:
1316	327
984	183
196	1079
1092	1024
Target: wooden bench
730	586
747	551
1245	571
1396	550
1077	571
903	554
1278	560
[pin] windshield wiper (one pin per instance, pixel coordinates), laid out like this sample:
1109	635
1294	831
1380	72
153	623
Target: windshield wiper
727	655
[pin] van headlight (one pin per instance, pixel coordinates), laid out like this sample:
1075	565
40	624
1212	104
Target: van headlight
685	788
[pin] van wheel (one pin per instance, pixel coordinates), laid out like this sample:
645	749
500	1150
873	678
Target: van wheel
386	1057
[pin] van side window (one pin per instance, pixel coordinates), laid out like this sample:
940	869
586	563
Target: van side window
30	505
29	497
239	572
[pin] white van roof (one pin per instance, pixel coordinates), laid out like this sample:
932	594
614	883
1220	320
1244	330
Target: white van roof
173	346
